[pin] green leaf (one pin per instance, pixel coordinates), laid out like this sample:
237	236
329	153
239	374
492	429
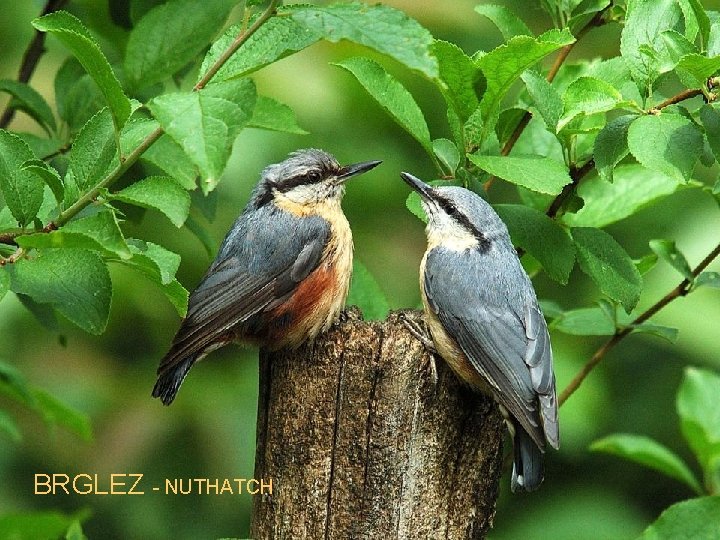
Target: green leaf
73	34
155	258
666	143
47	174
22	190
609	266
366	294
75	532
667	251
35	525
667	333
274	116
4	283
509	24
75	282
670	47
206	123
94	152
583	13
458	76
646	263
27	99
695	20
697	69
545	97
705	279
14	384
646	20
447	153
504	65
383	28
541	237
587	96
538	173
611	145
710	117
277	38
160	265
44	313
633	189
165	153
650	453
392	96
162	193
694	518
170	36
414	205
713	48
584	322
99	232
699	415
41	146
54	412
77	96
8	425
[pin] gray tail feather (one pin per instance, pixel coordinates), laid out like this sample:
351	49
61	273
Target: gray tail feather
527	473
169	381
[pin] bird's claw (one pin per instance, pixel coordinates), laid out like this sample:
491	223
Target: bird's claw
422	336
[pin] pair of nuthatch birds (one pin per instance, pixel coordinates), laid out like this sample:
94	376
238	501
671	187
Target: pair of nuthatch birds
282	275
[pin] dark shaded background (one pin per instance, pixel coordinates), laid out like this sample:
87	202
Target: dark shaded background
210	429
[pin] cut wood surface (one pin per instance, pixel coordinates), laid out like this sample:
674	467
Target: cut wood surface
359	441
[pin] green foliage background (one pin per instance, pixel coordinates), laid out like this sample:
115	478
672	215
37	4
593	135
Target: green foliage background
210	429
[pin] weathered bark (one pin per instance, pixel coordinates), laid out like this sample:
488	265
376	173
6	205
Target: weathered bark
359	442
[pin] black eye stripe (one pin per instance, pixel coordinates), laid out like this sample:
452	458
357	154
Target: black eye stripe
311	177
451	210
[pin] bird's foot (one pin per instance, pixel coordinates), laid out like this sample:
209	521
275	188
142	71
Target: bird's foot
423	337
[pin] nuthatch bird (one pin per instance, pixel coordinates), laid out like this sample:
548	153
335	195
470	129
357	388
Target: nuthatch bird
485	321
283	271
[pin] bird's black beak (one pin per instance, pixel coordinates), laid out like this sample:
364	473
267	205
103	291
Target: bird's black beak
348	171
423	189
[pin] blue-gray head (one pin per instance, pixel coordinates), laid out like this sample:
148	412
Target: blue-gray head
306	177
457	217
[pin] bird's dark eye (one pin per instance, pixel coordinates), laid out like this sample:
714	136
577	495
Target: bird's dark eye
314	177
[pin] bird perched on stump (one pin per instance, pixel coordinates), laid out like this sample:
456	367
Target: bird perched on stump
485	321
282	273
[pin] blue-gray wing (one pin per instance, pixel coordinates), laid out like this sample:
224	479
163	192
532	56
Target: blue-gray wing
263	258
487	304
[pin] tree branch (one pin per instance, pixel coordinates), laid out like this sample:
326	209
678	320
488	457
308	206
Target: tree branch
682	96
576	175
681	290
32	56
8	237
235	45
597	20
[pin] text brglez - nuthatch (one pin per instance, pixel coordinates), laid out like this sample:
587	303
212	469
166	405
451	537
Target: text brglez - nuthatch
485	320
282	273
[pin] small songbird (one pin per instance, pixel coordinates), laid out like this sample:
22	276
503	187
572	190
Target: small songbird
485	321
282	274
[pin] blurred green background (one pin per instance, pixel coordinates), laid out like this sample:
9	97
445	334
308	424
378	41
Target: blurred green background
210	429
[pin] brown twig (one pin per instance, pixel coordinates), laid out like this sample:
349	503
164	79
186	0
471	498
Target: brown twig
236	44
597	20
576	174
682	96
681	290
32	56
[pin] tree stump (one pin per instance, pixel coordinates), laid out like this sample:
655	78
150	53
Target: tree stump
359	442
